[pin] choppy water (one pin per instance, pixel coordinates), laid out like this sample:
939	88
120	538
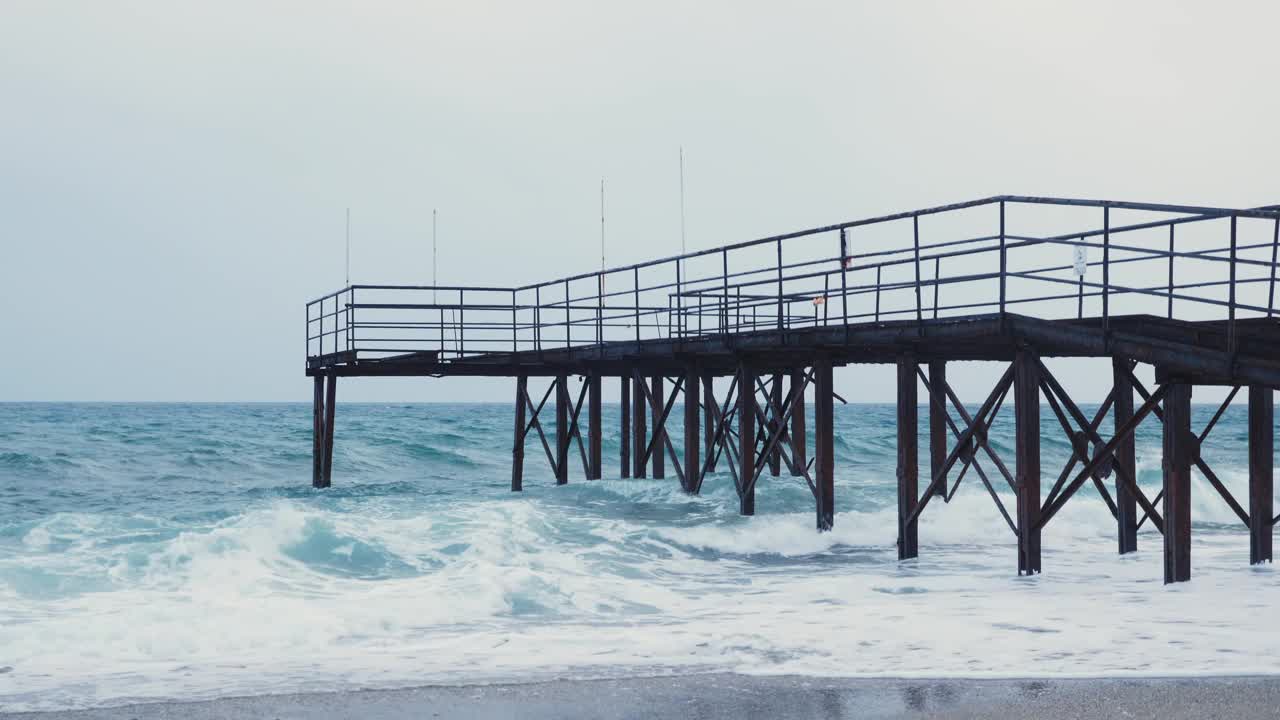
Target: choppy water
178	551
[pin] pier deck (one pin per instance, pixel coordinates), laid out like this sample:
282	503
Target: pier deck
1189	290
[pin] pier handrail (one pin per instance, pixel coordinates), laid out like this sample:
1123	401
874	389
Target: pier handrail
794	279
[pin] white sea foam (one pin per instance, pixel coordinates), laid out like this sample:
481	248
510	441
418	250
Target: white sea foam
488	592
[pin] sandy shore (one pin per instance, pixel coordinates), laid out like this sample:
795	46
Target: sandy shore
736	696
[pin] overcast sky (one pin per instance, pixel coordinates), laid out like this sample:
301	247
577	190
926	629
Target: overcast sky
174	176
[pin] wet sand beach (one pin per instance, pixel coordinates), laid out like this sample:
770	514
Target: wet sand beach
715	696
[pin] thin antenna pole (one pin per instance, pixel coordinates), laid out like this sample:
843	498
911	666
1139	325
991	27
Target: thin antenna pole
348	247
433	255
683	250
602	224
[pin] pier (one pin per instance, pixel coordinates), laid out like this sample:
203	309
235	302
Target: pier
737	335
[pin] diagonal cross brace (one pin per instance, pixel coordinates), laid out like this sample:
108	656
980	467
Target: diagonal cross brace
1079	445
1106	454
533	423
660	424
774	438
971	460
1049	510
720	439
980	438
1002	387
1199	462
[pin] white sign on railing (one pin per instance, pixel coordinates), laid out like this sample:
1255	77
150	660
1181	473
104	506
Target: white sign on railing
1081	259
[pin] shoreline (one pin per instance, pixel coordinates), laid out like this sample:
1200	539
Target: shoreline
725	695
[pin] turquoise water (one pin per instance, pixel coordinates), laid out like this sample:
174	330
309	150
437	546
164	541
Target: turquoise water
178	550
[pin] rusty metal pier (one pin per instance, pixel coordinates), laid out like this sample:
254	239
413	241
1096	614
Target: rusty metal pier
736	336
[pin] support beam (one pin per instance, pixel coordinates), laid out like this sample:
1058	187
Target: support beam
1125	458
908	462
938	422
692	426
1261	461
317	434
1178	457
624	432
746	439
1026	399
824	437
330	396
593	427
799	454
659	427
517	449
639	434
562	429
775	402
709	419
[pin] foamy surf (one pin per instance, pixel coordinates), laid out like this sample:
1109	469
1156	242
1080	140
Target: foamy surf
124	576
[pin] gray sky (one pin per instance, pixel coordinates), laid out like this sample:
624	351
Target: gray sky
175	175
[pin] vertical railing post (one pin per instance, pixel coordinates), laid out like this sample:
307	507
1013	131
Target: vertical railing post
636	277
915	230
877	293
1106	270
937	284
1231	294
462	322
515	333
780	305
1275	246
568	318
537	318
724	278
844	281
1171	228
679	325
1004	265
599	308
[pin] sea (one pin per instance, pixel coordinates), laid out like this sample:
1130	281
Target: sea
178	551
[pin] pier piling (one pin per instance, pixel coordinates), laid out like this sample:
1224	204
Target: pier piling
908	462
938	424
1261	461
799	453
659	436
517	449
1179	455
624	426
824	439
708	419
1026	399
775	418
562	429
746	439
593	427
1126	463
639	433
692	425
318	433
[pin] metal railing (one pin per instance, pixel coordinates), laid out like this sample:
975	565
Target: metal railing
1213	263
